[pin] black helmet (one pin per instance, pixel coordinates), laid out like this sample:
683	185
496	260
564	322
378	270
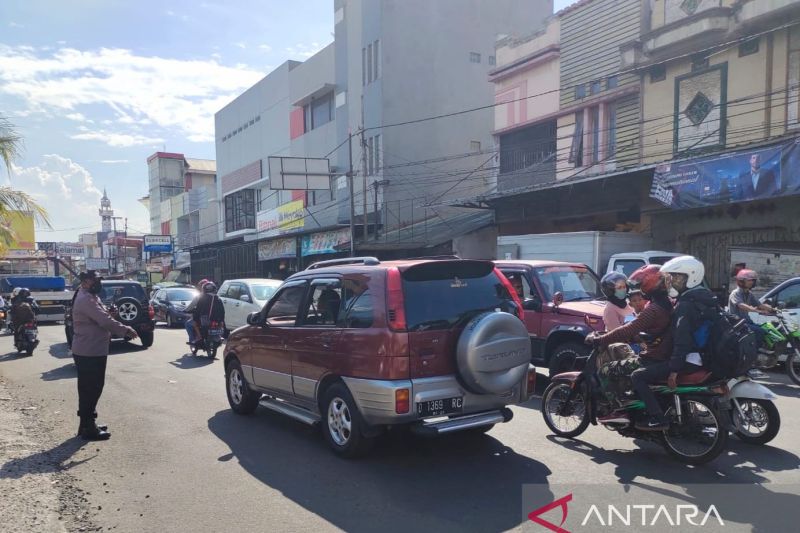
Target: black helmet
210	287
609	283
21	293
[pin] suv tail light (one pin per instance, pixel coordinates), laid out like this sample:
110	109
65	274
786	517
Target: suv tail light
395	302
531	383
510	288
30	325
401	401
151	312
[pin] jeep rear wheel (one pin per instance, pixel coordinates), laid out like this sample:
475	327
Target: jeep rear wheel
563	358
342	423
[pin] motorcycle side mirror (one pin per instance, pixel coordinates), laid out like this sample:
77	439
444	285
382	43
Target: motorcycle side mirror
558	299
781	305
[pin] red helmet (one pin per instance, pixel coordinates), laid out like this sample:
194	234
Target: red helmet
647	279
744	275
201	283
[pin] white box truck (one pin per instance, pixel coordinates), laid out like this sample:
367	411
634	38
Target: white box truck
592	248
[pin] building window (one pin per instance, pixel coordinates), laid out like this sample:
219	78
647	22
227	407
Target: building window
749	47
658	73
793	89
474	57
699	62
364	66
612	82
376	60
580	91
318	112
594	140
594	88
373	155
576	151
240	210
611	130
474	146
492	61
369	63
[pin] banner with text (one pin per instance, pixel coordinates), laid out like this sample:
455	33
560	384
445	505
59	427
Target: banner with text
325	242
743	176
277	249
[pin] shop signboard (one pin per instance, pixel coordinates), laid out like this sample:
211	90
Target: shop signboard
743	176
325	242
291	216
96	263
277	249
158	243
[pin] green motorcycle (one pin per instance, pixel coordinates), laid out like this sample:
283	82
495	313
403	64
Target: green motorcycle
782	338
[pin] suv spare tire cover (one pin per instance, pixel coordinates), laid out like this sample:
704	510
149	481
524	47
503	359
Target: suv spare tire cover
129	310
493	353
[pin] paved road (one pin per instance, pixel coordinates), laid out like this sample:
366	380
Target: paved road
180	460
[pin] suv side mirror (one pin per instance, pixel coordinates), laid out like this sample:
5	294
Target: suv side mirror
558	299
532	304
253	319
244	298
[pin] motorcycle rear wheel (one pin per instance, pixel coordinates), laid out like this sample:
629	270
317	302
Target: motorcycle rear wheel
793	363
701	423
567	424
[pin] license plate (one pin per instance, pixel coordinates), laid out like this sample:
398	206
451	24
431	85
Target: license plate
217	332
445	406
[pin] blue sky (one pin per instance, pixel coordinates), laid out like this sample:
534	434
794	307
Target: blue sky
96	86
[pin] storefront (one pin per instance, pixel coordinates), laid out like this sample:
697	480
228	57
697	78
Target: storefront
711	206
277	257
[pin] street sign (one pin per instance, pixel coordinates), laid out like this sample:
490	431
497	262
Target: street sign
299	173
96	263
158	243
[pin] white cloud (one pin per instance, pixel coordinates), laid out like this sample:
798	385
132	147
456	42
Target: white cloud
175	94
112	161
78	117
265	48
240	44
57	182
305	50
13	24
117	139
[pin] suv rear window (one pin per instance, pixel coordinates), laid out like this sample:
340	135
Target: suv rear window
441	295
114	291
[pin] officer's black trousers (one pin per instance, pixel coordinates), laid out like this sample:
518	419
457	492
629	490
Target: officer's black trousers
91	378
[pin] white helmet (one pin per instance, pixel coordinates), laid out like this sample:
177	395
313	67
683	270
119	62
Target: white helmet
15	292
686	264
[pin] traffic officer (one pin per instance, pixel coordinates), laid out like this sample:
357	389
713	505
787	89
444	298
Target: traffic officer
92	329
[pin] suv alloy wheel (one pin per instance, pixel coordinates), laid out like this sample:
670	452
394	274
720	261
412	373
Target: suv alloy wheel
342	423
242	400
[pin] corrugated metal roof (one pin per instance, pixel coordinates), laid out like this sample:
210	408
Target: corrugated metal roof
202	165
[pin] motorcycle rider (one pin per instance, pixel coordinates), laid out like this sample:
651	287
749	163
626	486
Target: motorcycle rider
189	324
22	312
742	301
654	322
695	305
615	287
209	307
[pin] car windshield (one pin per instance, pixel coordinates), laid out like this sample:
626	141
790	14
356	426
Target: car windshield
181	295
113	292
443	295
574	282
263	292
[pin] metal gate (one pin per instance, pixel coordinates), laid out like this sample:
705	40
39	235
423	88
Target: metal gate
222	263
713	249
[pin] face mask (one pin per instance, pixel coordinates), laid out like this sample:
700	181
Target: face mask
620	294
673	292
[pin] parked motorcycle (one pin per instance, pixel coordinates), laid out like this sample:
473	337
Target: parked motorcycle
698	425
781	337
754	416
210	339
27	338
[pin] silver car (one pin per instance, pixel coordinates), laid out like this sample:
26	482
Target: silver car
244	296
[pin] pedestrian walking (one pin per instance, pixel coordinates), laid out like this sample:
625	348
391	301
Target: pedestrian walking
92	326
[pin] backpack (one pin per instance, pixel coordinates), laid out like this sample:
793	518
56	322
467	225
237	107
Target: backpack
728	344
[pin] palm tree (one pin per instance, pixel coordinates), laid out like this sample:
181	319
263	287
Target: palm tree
12	200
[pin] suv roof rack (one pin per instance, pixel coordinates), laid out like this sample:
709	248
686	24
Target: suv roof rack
369	261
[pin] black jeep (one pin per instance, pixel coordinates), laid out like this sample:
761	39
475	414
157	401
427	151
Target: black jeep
127	302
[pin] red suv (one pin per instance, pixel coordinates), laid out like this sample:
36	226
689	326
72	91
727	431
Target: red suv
562	303
360	345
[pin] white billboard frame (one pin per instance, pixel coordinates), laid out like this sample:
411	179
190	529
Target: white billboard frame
299	173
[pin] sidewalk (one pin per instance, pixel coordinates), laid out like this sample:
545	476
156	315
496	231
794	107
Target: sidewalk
38	494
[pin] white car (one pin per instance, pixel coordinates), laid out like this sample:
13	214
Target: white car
244	296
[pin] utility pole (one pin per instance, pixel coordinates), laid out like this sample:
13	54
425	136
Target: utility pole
114	222
125	248
352	198
364	191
